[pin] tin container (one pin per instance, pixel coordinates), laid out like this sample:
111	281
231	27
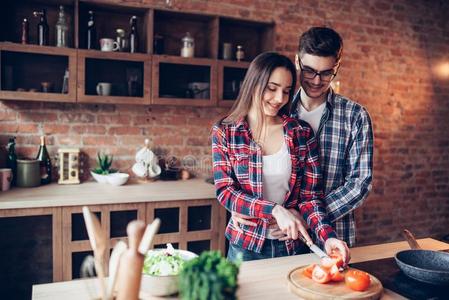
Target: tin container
28	173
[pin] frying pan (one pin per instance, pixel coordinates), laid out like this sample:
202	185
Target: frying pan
423	265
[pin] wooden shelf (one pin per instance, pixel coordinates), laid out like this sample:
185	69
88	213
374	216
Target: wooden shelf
237	70
189	70
110	16
115	68
33	64
183	85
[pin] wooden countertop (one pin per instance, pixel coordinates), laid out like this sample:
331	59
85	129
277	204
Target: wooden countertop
262	279
91	193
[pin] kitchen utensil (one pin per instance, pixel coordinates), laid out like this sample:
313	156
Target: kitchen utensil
306	288
114	261
423	265
314	248
28	173
98	242
131	264
148	236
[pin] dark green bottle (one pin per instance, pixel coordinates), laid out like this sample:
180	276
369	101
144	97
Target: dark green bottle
45	162
11	161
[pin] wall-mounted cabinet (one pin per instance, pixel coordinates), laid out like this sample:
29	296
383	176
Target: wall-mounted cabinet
181	81
230	79
113	77
154	74
30	72
108	18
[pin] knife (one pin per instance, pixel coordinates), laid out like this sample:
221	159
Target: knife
314	248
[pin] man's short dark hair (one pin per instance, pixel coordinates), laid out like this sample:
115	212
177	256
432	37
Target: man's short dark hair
321	41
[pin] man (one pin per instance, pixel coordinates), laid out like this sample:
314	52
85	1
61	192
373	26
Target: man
343	130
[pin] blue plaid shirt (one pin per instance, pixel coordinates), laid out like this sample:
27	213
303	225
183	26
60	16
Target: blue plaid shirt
346	147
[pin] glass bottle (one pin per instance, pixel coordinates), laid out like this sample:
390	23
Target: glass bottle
240	54
133	36
11	160
188	46
62	29
25	31
42	27
45	162
91	34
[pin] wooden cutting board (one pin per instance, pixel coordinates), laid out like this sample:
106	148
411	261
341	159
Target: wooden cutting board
309	289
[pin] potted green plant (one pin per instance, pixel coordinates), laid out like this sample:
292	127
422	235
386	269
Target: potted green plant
103	168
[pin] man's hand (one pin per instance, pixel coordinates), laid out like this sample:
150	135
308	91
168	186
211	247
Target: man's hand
333	244
238	219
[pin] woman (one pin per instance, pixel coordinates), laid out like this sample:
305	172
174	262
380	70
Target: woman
266	166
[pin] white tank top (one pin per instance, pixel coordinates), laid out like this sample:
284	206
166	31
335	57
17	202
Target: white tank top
276	173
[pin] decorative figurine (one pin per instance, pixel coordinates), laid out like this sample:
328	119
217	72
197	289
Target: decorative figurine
146	165
69	166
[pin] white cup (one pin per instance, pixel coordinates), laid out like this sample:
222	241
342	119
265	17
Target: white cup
109	45
104	88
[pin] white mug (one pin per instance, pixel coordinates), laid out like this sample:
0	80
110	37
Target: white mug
109	45
104	88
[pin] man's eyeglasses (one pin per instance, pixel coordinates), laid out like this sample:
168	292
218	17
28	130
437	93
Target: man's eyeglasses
326	75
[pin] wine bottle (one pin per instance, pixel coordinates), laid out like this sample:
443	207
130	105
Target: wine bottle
133	36
91	34
45	162
62	29
42	27
11	161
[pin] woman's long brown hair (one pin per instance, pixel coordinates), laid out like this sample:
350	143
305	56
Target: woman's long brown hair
254	85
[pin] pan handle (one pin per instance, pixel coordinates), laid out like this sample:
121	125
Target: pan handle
411	239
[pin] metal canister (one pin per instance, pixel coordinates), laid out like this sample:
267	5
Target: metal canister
28	173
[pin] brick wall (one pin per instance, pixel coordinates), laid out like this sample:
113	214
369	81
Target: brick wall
391	57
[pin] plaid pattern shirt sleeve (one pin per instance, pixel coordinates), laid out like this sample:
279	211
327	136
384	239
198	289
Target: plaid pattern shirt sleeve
311	194
229	194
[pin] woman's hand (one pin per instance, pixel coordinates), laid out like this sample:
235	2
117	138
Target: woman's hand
289	224
333	244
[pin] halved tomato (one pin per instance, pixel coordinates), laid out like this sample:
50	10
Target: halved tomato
336	275
321	275
357	280
337	258
308	271
327	262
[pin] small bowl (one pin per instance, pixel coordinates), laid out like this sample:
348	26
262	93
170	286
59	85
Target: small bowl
163	285
99	178
117	178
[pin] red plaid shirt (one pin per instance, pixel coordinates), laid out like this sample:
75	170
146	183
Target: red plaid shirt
237	167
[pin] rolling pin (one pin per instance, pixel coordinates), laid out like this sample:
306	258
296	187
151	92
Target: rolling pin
131	264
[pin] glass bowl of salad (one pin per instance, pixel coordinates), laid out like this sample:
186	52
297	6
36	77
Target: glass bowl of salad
161	268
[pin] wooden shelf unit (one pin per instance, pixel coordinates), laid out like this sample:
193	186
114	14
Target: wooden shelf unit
168	26
49	64
228	88
113	67
168	90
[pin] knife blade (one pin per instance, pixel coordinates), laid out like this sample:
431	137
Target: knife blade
314	248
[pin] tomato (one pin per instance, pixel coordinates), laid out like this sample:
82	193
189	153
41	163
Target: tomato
357	280
336	275
327	262
321	275
308	271
337	258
